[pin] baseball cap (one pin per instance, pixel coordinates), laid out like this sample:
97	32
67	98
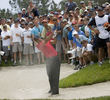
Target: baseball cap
64	20
55	13
51	15
82	2
16	20
100	8
74	32
67	26
19	12
23	9
26	23
60	16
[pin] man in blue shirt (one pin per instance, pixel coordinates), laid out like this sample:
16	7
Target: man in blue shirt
36	32
37	29
70	5
70	37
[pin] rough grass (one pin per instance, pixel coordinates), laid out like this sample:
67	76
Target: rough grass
90	75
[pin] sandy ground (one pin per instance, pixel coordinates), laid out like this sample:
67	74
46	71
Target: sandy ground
31	82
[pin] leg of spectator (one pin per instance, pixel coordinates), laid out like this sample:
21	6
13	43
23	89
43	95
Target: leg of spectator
108	48
38	57
100	51
26	59
20	56
31	62
14	57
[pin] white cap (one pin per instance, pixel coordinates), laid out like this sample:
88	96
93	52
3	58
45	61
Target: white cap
23	9
64	20
51	15
68	25
74	32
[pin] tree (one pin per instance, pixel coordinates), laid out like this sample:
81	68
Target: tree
42	5
19	4
62	4
54	6
5	13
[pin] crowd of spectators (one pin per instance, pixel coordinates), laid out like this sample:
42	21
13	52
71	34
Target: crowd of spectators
79	34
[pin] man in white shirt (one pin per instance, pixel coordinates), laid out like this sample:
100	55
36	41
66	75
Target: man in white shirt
28	44
5	42
16	41
103	35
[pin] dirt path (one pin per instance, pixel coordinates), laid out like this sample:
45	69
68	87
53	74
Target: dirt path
31	82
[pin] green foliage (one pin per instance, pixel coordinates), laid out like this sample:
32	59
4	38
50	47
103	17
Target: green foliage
87	76
62	4
44	6
19	4
5	13
54	6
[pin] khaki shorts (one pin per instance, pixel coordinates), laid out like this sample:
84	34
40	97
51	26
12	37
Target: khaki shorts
5	49
28	49
17	47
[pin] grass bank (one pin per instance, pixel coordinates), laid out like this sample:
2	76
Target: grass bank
90	75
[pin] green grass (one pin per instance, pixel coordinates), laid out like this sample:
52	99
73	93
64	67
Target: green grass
90	75
9	63
99	98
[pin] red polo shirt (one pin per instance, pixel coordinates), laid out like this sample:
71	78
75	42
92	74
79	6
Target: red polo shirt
47	49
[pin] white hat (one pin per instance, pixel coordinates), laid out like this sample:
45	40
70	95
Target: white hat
74	32
64	20
68	25
51	15
23	9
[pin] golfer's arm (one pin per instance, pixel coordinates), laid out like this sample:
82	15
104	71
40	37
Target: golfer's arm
48	38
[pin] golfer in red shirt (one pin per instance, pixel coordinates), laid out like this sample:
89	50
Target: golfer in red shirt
52	62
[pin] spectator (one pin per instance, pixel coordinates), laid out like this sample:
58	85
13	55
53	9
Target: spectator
16	41
32	9
6	42
24	13
103	35
36	31
28	44
3	22
70	38
70	5
83	7
51	23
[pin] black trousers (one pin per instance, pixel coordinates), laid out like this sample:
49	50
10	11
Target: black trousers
53	72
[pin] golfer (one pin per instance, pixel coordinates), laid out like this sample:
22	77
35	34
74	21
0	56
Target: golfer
52	62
